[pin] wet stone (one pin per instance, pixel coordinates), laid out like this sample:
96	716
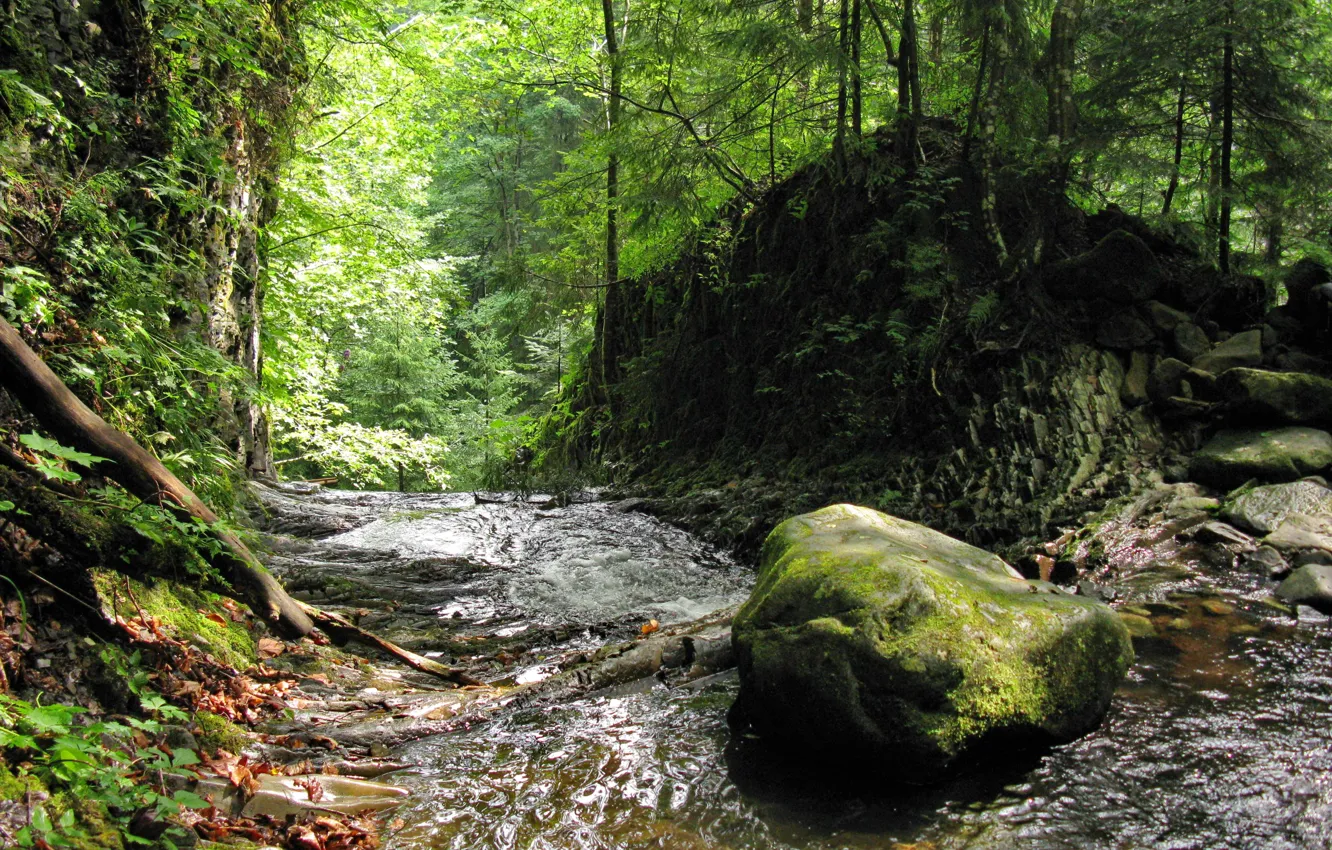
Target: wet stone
1263	509
1233	457
1265	560
1191	342
1309	585
1301	531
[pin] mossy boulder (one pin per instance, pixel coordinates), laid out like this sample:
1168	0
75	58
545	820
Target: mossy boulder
1243	350
1281	454
1121	268
1285	397
870	640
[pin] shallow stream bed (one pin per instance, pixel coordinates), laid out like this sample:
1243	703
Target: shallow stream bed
1220	737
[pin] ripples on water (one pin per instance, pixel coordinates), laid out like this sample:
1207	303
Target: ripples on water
1201	750
1221	737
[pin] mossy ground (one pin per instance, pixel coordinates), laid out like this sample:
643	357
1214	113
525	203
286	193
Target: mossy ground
184	613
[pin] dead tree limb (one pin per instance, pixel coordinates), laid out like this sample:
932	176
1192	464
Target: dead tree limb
70	421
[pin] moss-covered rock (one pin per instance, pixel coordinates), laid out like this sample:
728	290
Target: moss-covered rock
1121	268
870	639
1278	397
1282	454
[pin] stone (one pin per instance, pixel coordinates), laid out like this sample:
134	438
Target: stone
1202	385
1263	509
1191	342
1165	381
870	640
1121	268
1302	361
1164	317
280	796
1125	331
1138	626
1309	585
1277	397
1133	392
1217	608
1221	534
1241	350
1299	532
1265	560
1271	337
1283	454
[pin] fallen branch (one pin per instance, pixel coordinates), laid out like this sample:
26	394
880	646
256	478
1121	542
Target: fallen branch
70	421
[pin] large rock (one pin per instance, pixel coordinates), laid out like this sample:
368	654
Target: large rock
1121	268
871	640
1286	397
1191	341
1240	351
1282	454
1302	534
1263	509
1125	330
1309	585
1166	380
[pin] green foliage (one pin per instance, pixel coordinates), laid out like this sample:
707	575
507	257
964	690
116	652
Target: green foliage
49	454
96	770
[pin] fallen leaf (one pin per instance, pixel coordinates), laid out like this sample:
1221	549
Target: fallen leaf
649	627
270	648
313	789
216	618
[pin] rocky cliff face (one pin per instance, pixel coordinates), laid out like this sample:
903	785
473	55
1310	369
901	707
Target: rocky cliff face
139	152
837	343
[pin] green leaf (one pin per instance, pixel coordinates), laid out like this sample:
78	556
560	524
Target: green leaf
6	505
39	443
190	800
184	758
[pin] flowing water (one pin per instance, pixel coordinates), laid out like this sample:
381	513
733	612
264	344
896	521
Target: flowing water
1221	736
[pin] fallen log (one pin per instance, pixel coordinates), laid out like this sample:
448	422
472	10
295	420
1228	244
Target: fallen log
32	383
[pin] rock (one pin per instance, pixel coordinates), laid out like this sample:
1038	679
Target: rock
1270	397
1301	532
1284	454
1124	331
1310	585
1221	534
1301	361
1121	268
1202	385
1301	281
1217	608
1133	392
1165	318
282	796
1138	626
1271	337
1165	381
1266	560
1263	509
1235	300
875	641
1241	350
1190	342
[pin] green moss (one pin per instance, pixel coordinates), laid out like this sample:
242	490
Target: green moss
217	732
98	830
14	787
182	611
916	642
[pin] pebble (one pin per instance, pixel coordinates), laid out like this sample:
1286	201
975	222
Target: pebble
1217	608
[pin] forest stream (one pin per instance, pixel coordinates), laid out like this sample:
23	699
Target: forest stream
1220	736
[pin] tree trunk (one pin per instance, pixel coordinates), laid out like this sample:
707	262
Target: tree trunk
1179	150
32	383
1060	114
612	160
855	69
843	38
908	86
989	125
1227	136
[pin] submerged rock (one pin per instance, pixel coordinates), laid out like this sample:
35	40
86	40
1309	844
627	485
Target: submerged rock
872	640
1283	454
1263	509
1286	397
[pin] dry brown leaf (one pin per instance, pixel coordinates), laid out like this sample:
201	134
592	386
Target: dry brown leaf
270	648
214	617
313	789
649	627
